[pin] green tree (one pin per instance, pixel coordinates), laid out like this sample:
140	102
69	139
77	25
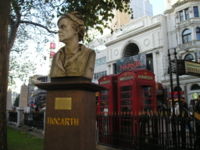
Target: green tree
41	13
16	102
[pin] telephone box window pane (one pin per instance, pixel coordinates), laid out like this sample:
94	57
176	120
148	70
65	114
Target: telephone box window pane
126	109
125	95
147	98
125	98
126	102
104	97
125	88
196	11
104	92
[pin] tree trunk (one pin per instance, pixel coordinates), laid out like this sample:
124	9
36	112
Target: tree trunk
4	60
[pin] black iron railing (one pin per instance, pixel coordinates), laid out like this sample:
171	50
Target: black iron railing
12	116
34	120
158	130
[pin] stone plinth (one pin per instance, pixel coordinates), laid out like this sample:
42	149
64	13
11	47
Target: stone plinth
20	116
70	114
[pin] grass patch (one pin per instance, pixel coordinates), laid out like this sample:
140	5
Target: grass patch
19	140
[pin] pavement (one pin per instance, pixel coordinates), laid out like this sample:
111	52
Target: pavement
103	147
40	134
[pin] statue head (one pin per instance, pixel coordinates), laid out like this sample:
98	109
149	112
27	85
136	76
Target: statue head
77	21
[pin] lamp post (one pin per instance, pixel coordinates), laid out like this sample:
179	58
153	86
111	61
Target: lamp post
177	81
171	82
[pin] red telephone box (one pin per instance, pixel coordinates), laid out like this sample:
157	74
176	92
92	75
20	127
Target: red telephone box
106	106
107	101
136	91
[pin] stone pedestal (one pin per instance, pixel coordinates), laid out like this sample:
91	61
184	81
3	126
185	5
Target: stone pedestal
70	114
20	116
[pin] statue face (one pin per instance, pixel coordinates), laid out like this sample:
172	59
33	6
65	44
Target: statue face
66	30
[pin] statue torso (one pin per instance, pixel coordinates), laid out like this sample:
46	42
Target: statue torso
75	65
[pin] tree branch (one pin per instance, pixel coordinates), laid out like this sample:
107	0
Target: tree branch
37	24
17	9
13	32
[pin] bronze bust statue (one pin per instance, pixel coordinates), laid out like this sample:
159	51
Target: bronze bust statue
74	59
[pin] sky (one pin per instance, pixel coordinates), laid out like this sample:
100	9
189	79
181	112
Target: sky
158	6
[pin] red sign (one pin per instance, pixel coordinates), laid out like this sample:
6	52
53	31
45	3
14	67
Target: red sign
131	63
52	45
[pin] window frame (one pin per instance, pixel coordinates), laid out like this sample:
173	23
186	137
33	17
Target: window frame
186	37
196	11
197	30
181	15
186	13
189	55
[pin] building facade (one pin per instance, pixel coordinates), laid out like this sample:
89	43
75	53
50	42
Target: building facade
178	28
170	3
183	28
146	35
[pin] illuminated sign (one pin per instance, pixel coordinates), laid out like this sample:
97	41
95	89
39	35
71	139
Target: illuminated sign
192	68
104	82
131	63
126	78
195	95
146	77
63	121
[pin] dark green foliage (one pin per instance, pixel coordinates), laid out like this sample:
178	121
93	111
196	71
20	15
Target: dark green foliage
95	13
16	102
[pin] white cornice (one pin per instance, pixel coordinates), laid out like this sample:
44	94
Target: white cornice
179	3
130	33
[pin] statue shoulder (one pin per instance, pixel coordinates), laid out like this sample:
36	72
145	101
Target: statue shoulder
88	50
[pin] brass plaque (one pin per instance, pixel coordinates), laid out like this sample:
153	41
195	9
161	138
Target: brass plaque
63	103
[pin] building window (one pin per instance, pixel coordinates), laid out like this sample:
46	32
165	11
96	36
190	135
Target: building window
189	57
186	36
181	15
99	75
184	14
196	11
100	61
195	87
131	50
198	33
114	68
149	62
